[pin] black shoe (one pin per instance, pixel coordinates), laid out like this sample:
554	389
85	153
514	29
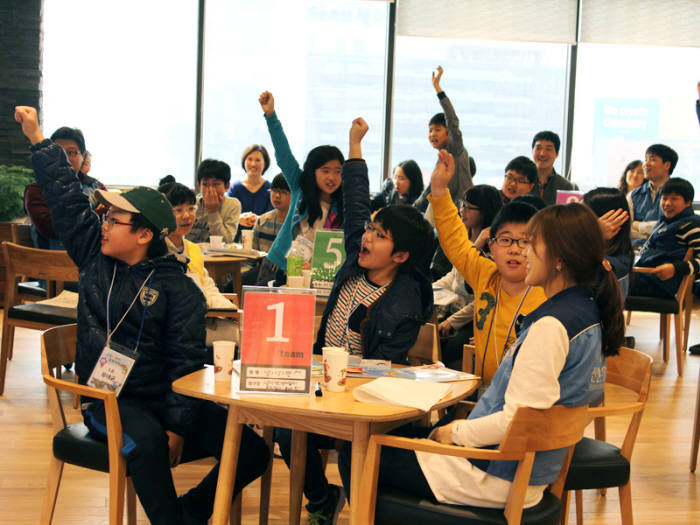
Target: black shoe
695	349
188	517
326	513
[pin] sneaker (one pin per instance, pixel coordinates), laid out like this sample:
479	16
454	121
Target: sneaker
695	349
327	513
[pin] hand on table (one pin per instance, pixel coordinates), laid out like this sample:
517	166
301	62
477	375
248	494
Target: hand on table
247	219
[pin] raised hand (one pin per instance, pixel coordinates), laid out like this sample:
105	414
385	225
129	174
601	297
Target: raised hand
443	172
358	129
611	222
436	79
267	102
26	116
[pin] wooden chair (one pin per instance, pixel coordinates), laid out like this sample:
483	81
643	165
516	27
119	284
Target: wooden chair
426	349
696	432
597	464
530	431
680	308
53	266
28	290
73	444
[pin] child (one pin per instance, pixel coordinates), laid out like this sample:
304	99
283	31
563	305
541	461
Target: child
404	187
520	179
444	133
183	199
134	295
268	225
558	358
379	300
316	193
216	214
500	291
673	234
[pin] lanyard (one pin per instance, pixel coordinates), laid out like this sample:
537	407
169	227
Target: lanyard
148	280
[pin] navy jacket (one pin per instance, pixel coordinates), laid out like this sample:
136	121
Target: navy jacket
173	339
394	320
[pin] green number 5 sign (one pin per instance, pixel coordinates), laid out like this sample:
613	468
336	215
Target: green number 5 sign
329	254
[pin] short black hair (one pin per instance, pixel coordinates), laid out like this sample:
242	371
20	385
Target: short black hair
517	212
216	169
524	166
667	154
547	135
601	201
438	120
680	187
256	147
279	183
411	233
157	246
74	134
487	199
533	200
472	165
177	194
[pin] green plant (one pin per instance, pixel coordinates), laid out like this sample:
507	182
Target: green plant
13	180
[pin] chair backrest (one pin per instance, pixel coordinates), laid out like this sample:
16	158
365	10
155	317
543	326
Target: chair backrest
57	349
468	362
534	430
426	349
22	234
686	282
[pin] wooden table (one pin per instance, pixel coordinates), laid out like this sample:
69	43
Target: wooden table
334	414
219	266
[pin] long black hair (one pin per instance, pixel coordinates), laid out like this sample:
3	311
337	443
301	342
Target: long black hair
311	194
622	185
415	177
487	199
601	201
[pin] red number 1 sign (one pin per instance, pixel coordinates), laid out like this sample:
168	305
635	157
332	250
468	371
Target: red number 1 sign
277	341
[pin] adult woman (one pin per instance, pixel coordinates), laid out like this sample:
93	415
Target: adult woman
558	358
403	187
632	177
253	191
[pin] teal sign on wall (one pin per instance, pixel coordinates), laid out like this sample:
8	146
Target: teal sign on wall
628	118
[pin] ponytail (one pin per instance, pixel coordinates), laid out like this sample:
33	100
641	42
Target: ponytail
608	297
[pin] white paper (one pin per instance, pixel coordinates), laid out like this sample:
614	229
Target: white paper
401	392
65	299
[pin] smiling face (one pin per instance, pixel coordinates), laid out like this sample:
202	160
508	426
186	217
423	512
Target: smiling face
328	177
254	164
544	155
672	204
510	260
538	267
184	218
377	247
212	184
655	169
401	181
515	184
437	135
634	177
119	241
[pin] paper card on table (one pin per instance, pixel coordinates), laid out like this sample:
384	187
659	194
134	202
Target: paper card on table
565	197
401	392
328	257
277	340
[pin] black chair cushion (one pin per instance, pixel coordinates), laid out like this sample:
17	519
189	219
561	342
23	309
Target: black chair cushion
75	445
401	508
651	304
597	465
32	288
44	313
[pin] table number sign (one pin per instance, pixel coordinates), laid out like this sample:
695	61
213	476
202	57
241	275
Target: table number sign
565	197
277	340
328	257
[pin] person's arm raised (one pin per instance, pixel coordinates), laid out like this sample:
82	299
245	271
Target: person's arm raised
27	116
356	209
283	153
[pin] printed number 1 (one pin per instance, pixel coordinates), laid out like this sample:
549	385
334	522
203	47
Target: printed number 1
333	251
279	323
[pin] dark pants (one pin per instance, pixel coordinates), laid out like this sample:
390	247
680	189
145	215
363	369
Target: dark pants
646	285
315	482
148	464
453	346
398	468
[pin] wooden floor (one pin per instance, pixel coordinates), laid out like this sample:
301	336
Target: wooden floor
663	489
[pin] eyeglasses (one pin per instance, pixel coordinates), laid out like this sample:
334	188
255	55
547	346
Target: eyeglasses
371	227
510	178
280	192
506	242
108	222
72	153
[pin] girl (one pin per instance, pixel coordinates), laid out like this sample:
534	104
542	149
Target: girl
404	187
558	358
253	191
316	201
632	177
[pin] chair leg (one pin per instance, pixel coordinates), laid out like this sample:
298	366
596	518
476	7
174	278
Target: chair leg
626	504
678	333
130	502
266	479
688	309
665	334
8	332
53	482
234	517
696	432
579	507
117	482
629	316
565	500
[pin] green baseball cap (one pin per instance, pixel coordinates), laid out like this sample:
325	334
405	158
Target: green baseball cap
150	203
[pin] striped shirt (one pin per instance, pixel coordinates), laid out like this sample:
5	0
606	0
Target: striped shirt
344	323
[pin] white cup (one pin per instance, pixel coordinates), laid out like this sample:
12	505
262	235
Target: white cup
216	241
295	281
224	352
335	366
306	274
247	239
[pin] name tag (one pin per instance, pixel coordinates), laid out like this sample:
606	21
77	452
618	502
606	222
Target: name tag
112	368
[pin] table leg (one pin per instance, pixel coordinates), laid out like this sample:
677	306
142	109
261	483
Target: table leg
227	468
266	479
237	280
297	468
360	440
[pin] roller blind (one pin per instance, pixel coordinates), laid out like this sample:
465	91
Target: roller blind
514	20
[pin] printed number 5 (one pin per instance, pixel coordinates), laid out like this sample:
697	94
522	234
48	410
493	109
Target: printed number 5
279	323
334	251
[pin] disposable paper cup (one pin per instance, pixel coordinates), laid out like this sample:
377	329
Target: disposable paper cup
295	281
306	274
224	352
247	239
216	241
335	365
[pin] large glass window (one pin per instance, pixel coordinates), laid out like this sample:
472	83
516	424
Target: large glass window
124	73
323	61
503	93
628	97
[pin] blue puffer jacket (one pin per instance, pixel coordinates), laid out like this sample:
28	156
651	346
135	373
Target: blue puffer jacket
173	339
393	321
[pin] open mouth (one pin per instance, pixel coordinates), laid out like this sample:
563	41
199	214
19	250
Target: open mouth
512	263
364	251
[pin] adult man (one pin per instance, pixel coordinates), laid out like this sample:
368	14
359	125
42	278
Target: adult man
545	150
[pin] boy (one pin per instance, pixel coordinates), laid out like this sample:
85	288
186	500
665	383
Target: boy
135	297
645	208
217	214
545	150
676	231
520	178
500	292
268	224
379	300
444	133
